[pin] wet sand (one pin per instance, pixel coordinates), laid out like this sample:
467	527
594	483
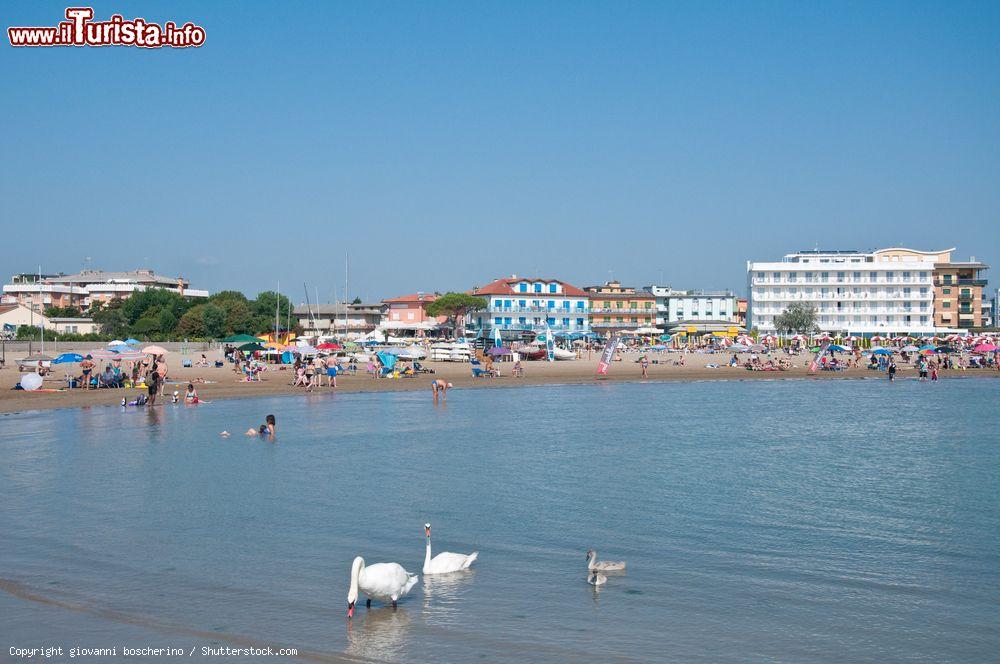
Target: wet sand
222	383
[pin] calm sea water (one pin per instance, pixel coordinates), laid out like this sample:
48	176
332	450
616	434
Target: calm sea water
761	521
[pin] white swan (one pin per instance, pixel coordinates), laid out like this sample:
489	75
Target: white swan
383	581
603	566
445	562
595	578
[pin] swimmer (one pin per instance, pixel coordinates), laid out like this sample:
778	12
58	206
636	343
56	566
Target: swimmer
176	396
440	386
191	396
224	434
270	423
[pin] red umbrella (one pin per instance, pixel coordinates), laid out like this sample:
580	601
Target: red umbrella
328	346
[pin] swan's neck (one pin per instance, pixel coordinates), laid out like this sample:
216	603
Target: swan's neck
427	555
355	573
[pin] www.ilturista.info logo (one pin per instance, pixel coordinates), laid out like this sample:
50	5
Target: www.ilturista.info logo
80	30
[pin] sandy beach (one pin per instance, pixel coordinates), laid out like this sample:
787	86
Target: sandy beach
222	383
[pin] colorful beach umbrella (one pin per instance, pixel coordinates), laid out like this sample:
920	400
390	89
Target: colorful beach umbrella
66	358
984	348
154	350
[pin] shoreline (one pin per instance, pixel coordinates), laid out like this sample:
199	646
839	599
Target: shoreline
221	383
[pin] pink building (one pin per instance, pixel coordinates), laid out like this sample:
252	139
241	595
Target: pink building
409	312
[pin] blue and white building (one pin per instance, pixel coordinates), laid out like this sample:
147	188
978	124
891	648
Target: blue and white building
522	304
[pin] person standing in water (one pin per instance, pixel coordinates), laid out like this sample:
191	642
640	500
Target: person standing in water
892	370
440	386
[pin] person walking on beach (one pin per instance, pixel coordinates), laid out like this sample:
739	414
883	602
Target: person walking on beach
644	363
892	370
440	386
161	370
153	384
331	371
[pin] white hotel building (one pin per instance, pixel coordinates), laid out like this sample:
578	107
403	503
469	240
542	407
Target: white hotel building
889	291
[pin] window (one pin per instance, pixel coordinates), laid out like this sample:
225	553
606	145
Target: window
538	288
497	320
522	288
522	303
552	288
579	321
946	304
522	320
565	304
579	304
507	303
946	291
824	275
565	322
873	276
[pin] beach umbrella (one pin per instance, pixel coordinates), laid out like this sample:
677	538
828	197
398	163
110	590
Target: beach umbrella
116	342
837	349
130	354
102	354
945	349
328	346
154	350
31	382
877	338
927	351
499	351
66	358
241	339
984	348
757	348
909	349
928	347
881	351
739	348
132	342
246	348
496	337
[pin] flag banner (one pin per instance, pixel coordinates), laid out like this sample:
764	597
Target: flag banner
550	344
608	355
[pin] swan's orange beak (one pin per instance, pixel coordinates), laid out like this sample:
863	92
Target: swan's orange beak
350	609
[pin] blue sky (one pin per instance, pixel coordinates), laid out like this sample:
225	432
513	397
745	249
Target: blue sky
446	144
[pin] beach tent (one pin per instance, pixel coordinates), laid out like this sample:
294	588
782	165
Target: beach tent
388	360
246	348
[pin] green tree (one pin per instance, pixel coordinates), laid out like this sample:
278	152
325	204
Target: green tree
239	319
223	298
264	306
214	319
151	302
456	306
63	312
147	327
799	317
192	323
111	321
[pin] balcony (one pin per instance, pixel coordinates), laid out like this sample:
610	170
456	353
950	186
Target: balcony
961	282
538	310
